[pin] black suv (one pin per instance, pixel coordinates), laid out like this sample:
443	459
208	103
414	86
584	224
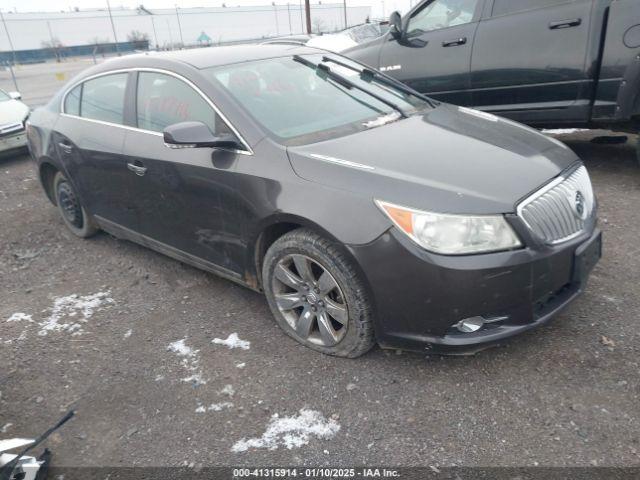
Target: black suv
547	63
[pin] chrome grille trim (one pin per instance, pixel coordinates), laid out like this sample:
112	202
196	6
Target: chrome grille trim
11	128
551	213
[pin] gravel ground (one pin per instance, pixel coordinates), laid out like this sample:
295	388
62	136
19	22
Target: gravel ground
564	395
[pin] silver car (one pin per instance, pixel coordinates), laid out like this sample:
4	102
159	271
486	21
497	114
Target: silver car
13	116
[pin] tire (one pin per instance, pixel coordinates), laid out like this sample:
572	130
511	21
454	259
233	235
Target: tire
316	295
73	214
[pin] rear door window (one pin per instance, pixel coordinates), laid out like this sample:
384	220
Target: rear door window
505	7
164	100
103	98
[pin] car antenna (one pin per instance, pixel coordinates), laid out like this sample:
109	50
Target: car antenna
7	470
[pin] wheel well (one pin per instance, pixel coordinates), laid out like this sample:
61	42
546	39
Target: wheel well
47	172
268	236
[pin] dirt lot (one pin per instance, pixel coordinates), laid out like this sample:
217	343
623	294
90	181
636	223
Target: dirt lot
567	394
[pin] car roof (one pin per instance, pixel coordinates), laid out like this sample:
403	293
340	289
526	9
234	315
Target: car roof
218	56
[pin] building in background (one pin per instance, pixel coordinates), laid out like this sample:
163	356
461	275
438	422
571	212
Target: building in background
170	28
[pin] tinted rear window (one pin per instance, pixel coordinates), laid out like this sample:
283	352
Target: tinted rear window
72	102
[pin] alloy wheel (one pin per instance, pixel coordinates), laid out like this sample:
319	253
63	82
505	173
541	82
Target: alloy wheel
310	300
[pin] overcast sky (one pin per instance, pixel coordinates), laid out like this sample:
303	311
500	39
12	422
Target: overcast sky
378	7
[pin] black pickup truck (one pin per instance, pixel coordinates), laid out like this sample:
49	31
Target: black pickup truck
546	63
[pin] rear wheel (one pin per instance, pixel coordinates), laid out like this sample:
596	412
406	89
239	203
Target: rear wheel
75	217
317	296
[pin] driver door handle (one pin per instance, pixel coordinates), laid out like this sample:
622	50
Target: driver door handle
455	43
65	147
565	24
137	169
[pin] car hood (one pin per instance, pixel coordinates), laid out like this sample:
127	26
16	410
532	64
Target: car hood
449	159
12	111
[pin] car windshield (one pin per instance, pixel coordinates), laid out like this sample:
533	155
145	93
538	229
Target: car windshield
4	96
299	103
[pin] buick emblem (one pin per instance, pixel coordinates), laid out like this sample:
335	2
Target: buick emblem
580	206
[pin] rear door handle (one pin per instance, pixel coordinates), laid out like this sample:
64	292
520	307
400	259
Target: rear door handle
65	147
565	24
455	43
137	169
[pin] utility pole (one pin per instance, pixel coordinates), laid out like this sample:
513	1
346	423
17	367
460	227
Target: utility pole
113	27
289	15
179	28
13	51
307	11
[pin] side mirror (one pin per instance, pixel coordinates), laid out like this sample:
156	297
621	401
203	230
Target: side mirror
395	25
15	95
197	135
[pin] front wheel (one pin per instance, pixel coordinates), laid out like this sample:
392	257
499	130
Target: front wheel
75	217
317	296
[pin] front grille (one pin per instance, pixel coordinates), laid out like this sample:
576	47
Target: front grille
561	210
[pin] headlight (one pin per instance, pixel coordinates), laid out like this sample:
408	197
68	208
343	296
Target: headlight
453	234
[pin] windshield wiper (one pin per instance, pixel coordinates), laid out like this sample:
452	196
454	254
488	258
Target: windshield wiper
345	82
368	74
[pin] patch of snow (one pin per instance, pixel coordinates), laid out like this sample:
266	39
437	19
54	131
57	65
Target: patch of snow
290	432
159	378
128	333
19	317
6	427
72	306
228	390
241	365
336	42
214	407
382	120
563	131
190	361
233	341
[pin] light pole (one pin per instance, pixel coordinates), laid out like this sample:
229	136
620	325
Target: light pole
113	27
301	20
275	12
13	51
289	15
155	34
179	28
346	25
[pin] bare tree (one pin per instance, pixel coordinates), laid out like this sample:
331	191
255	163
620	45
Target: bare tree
137	36
55	45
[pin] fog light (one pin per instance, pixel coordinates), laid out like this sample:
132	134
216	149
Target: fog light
470	325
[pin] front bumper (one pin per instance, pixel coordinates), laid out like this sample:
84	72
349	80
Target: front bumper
420	296
13	141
